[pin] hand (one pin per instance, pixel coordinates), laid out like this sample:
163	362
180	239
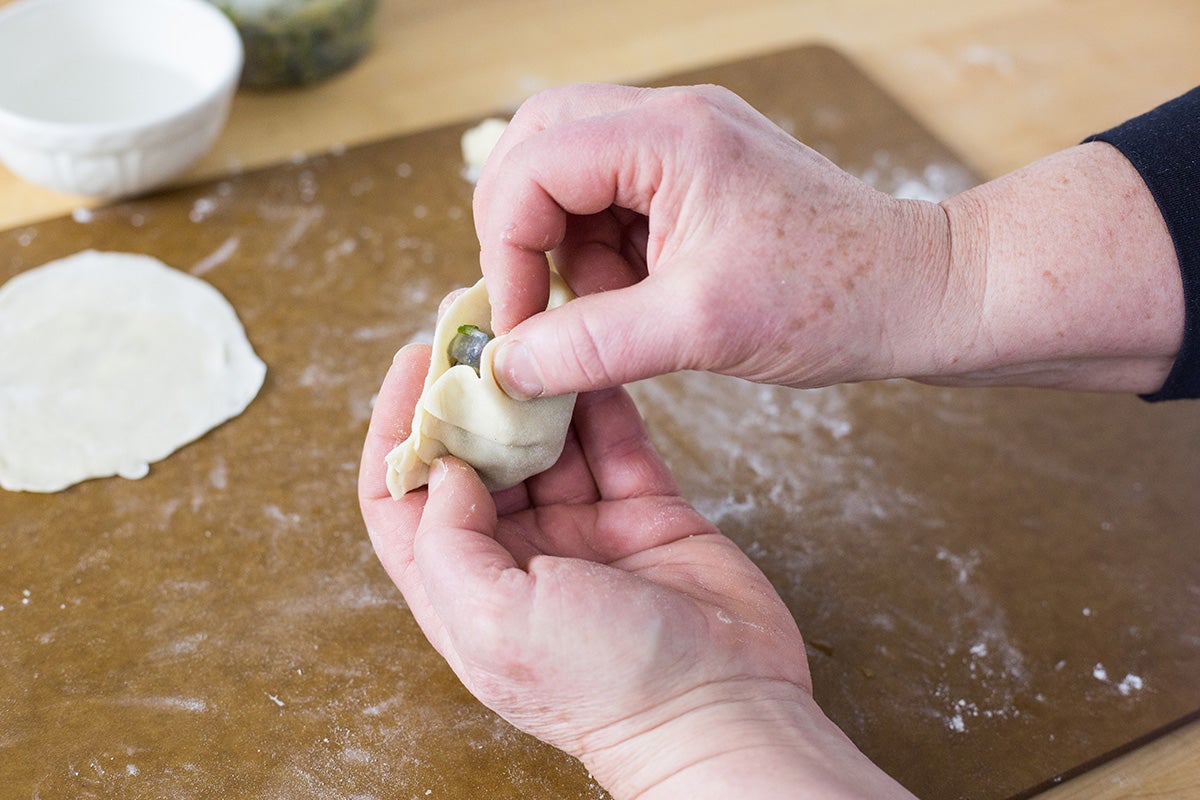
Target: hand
595	609
704	238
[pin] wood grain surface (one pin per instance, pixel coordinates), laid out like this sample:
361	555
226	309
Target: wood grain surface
1000	83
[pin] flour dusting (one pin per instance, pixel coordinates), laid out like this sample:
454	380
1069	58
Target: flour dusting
933	182
217	257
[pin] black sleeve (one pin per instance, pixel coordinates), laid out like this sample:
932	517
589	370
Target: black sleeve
1164	147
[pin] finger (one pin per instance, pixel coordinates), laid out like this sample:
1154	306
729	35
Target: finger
548	109
623	461
391	418
511	500
467	574
569	481
392	524
580	168
602	252
600	341
448	300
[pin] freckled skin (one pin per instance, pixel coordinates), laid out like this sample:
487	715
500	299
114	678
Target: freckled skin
594	608
701	236
1077	275
738	216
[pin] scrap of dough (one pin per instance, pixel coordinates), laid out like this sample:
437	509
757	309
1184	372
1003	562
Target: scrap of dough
112	361
478	143
468	415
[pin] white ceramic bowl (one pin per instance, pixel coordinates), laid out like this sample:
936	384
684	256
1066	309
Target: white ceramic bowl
112	97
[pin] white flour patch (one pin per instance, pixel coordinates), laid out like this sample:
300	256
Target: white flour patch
980	654
218	476
779	427
1129	684
932	182
1126	687
217	257
375	333
340	250
963	566
202	209
315	376
297	219
192	705
281	518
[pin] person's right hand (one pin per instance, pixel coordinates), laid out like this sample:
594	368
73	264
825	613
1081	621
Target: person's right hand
699	236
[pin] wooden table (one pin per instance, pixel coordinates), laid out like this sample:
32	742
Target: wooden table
1003	83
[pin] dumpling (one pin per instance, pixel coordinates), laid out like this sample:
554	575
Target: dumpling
465	413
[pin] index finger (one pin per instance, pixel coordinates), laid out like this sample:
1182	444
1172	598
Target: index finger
516	229
549	109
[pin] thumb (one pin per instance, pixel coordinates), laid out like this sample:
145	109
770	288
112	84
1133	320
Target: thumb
595	342
472	587
455	549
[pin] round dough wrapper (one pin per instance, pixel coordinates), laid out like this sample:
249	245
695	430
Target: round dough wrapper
110	362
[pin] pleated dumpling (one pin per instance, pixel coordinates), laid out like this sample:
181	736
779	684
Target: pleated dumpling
465	413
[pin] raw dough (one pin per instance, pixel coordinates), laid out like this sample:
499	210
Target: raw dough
111	361
478	143
468	415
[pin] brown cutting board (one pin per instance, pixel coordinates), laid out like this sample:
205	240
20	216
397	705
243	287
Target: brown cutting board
998	587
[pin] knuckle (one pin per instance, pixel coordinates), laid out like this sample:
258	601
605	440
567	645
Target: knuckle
542	101
702	107
708	119
582	353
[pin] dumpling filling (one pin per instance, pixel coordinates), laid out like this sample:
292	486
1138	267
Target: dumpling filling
467	346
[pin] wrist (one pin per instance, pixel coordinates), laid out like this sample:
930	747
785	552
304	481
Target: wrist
926	306
1061	275
741	739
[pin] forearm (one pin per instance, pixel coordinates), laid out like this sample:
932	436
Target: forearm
763	744
1071	276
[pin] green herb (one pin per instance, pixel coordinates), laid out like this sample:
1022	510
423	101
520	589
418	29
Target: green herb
296	42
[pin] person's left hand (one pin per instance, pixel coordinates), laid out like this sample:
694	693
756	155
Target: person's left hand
590	604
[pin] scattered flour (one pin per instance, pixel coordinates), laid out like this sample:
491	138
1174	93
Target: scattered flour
934	182
1126	687
1129	684
217	257
202	209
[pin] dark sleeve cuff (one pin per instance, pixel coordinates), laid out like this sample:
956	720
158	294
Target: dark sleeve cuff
1164	147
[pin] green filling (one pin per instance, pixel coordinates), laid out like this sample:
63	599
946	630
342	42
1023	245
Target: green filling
291	44
467	346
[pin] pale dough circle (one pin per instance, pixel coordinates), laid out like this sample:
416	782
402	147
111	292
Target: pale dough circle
112	361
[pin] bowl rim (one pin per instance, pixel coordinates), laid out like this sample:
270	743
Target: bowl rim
45	134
